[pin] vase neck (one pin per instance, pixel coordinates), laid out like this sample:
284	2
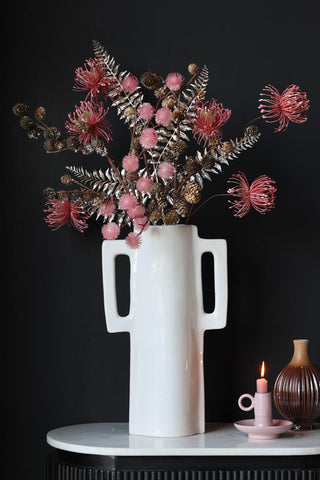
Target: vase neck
300	354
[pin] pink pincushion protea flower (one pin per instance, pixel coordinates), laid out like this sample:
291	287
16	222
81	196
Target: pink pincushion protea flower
93	78
63	212
130	163
290	106
260	194
165	170
130	83
133	240
88	122
174	81
146	111
107	209
148	138
110	231
127	201
163	116
143	184
137	211
141	224
209	118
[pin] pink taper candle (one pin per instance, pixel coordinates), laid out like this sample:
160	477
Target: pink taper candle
262	383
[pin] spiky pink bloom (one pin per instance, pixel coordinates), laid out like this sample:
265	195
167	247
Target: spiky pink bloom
141	224
133	240
290	106
110	231
127	201
208	120
174	81
163	116
165	170
130	163
260	194
63	212
130	83
88	122
146	111
93	78
143	184
148	138
137	211
107	209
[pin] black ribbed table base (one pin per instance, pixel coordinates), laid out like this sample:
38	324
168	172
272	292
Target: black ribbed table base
72	466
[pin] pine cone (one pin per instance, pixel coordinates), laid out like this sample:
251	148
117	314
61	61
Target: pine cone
52	132
171	217
227	147
150	80
155	215
192	166
49	145
26	123
251	130
192	192
49	193
213	143
155	188
182	207
60	144
178	115
162	203
19	109
169	102
40	113
207	162
178	148
66	179
73	143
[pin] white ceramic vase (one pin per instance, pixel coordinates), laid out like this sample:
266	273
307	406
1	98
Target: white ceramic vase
166	323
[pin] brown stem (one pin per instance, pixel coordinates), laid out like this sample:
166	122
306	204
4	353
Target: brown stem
210	198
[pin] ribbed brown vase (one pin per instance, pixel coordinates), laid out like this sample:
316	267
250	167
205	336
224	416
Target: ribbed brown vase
296	391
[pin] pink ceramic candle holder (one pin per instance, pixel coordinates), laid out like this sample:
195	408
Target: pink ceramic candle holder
261	403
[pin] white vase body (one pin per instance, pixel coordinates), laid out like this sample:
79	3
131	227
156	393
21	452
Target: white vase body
166	323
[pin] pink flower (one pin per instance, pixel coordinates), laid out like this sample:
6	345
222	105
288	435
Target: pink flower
130	83
93	78
130	163
127	201
137	211
141	224
260	194
88	122
165	170
174	81
290	106
107	209
110	231
133	240
146	111
143	184
148	138
163	116
63	212
209	118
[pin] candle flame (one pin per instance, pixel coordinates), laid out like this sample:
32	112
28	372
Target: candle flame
262	369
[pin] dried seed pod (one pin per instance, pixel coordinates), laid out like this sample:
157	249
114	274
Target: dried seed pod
49	145
150	80
26	123
62	195
130	111
213	143
192	166
83	126
182	207
155	215
155	188
60	144
207	162
34	132
161	92
49	193
73	143
227	147
66	179
99	199
251	130
40	113
178	115
169	102
88	196
52	132
74	197
192	192
193	68
178	148
171	217
19	109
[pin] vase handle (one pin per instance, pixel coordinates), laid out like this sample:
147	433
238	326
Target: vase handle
218	318
110	250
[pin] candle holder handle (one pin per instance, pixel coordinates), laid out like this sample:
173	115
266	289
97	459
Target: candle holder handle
251	406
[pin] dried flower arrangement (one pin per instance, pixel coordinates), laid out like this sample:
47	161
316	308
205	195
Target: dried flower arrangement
158	181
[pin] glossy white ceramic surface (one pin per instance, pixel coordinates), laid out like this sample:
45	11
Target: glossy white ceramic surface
166	324
259	432
219	439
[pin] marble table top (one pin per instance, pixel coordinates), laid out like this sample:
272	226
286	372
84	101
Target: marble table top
220	439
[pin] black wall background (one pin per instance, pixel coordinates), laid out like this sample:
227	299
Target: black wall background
61	367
